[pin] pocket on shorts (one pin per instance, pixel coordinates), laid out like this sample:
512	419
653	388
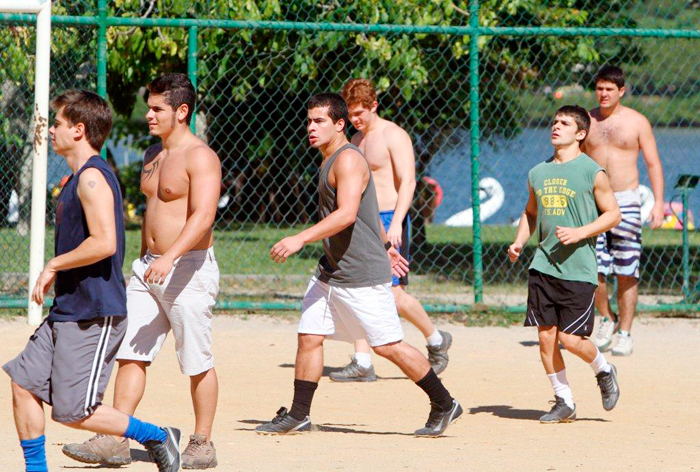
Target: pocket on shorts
206	277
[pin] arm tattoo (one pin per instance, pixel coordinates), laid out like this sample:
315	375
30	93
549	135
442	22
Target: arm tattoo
92	184
148	173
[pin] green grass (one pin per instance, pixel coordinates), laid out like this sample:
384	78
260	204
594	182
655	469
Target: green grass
245	249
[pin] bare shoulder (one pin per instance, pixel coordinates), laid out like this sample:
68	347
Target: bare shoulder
349	157
394	131
93	175
636	118
151	153
199	156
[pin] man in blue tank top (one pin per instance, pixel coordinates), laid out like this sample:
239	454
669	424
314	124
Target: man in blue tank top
68	360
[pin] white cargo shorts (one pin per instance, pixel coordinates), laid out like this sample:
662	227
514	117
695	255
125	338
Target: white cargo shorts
183	303
348	314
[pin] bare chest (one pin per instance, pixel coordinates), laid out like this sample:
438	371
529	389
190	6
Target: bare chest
165	179
613	133
376	152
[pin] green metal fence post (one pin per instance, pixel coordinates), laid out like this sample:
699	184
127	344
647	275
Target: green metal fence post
192	68
102	56
686	249
474	139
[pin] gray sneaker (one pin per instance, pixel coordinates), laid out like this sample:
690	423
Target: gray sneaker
166	454
560	412
439	420
100	449
199	453
284	423
609	389
354	372
437	355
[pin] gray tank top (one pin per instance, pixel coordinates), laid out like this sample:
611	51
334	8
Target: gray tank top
354	257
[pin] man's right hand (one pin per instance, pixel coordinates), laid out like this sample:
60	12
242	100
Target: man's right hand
514	251
399	264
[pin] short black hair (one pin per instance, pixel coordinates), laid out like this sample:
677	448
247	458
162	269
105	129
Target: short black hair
612	74
580	116
88	108
337	109
177	90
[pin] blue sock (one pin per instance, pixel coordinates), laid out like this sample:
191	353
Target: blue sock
35	454
143	432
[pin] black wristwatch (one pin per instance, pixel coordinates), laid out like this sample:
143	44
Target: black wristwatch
387	245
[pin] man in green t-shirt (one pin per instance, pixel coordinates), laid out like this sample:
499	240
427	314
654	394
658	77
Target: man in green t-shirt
570	203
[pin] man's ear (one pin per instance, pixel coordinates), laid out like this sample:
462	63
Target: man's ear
79	131
182	112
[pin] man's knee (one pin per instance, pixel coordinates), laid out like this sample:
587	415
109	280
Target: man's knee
309	341
399	296
625	281
547	337
386	350
19	392
571	343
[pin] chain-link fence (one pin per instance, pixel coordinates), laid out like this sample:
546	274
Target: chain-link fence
257	63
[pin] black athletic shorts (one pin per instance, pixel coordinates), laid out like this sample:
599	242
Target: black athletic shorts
566	304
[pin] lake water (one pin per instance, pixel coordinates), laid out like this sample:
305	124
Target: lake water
509	162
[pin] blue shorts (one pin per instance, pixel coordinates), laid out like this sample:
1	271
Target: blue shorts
386	217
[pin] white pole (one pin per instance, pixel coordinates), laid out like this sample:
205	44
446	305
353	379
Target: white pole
41	147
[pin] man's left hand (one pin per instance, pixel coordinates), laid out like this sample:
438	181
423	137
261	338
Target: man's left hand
568	235
159	270
399	264
285	248
656	217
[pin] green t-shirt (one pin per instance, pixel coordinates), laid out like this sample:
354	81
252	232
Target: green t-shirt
564	194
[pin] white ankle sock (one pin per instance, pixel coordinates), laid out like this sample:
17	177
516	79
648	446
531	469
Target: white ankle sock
600	364
363	359
434	339
561	387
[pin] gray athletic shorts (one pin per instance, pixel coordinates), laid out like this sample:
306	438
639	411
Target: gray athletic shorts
68	364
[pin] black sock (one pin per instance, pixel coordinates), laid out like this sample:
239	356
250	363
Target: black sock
303	394
436	390
615	318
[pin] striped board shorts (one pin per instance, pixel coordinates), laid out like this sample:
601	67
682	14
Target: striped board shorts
618	250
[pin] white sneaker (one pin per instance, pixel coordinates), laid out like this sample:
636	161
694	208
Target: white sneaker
604	336
623	347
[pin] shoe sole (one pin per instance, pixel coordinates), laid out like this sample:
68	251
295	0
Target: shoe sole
449	345
622	354
359	379
304	429
565	420
94	459
191	467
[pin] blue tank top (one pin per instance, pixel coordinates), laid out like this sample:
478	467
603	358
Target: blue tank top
97	290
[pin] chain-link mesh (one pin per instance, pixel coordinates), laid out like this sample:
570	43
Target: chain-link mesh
72	65
253	85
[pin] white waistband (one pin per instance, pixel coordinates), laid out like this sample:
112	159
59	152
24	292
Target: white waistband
198	255
629	197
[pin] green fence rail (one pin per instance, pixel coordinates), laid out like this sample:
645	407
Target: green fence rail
474	83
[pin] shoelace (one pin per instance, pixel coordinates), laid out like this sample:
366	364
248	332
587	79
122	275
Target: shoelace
558	405
194	447
605	383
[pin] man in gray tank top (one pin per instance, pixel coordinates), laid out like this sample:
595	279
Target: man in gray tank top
350	295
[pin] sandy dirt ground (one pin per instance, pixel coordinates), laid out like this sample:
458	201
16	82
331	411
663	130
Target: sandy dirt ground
494	372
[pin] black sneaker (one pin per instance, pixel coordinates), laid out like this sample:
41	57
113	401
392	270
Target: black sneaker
166	454
609	389
439	420
437	355
560	412
284	423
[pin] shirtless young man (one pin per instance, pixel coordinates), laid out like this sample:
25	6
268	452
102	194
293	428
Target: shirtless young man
389	150
617	135
176	280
